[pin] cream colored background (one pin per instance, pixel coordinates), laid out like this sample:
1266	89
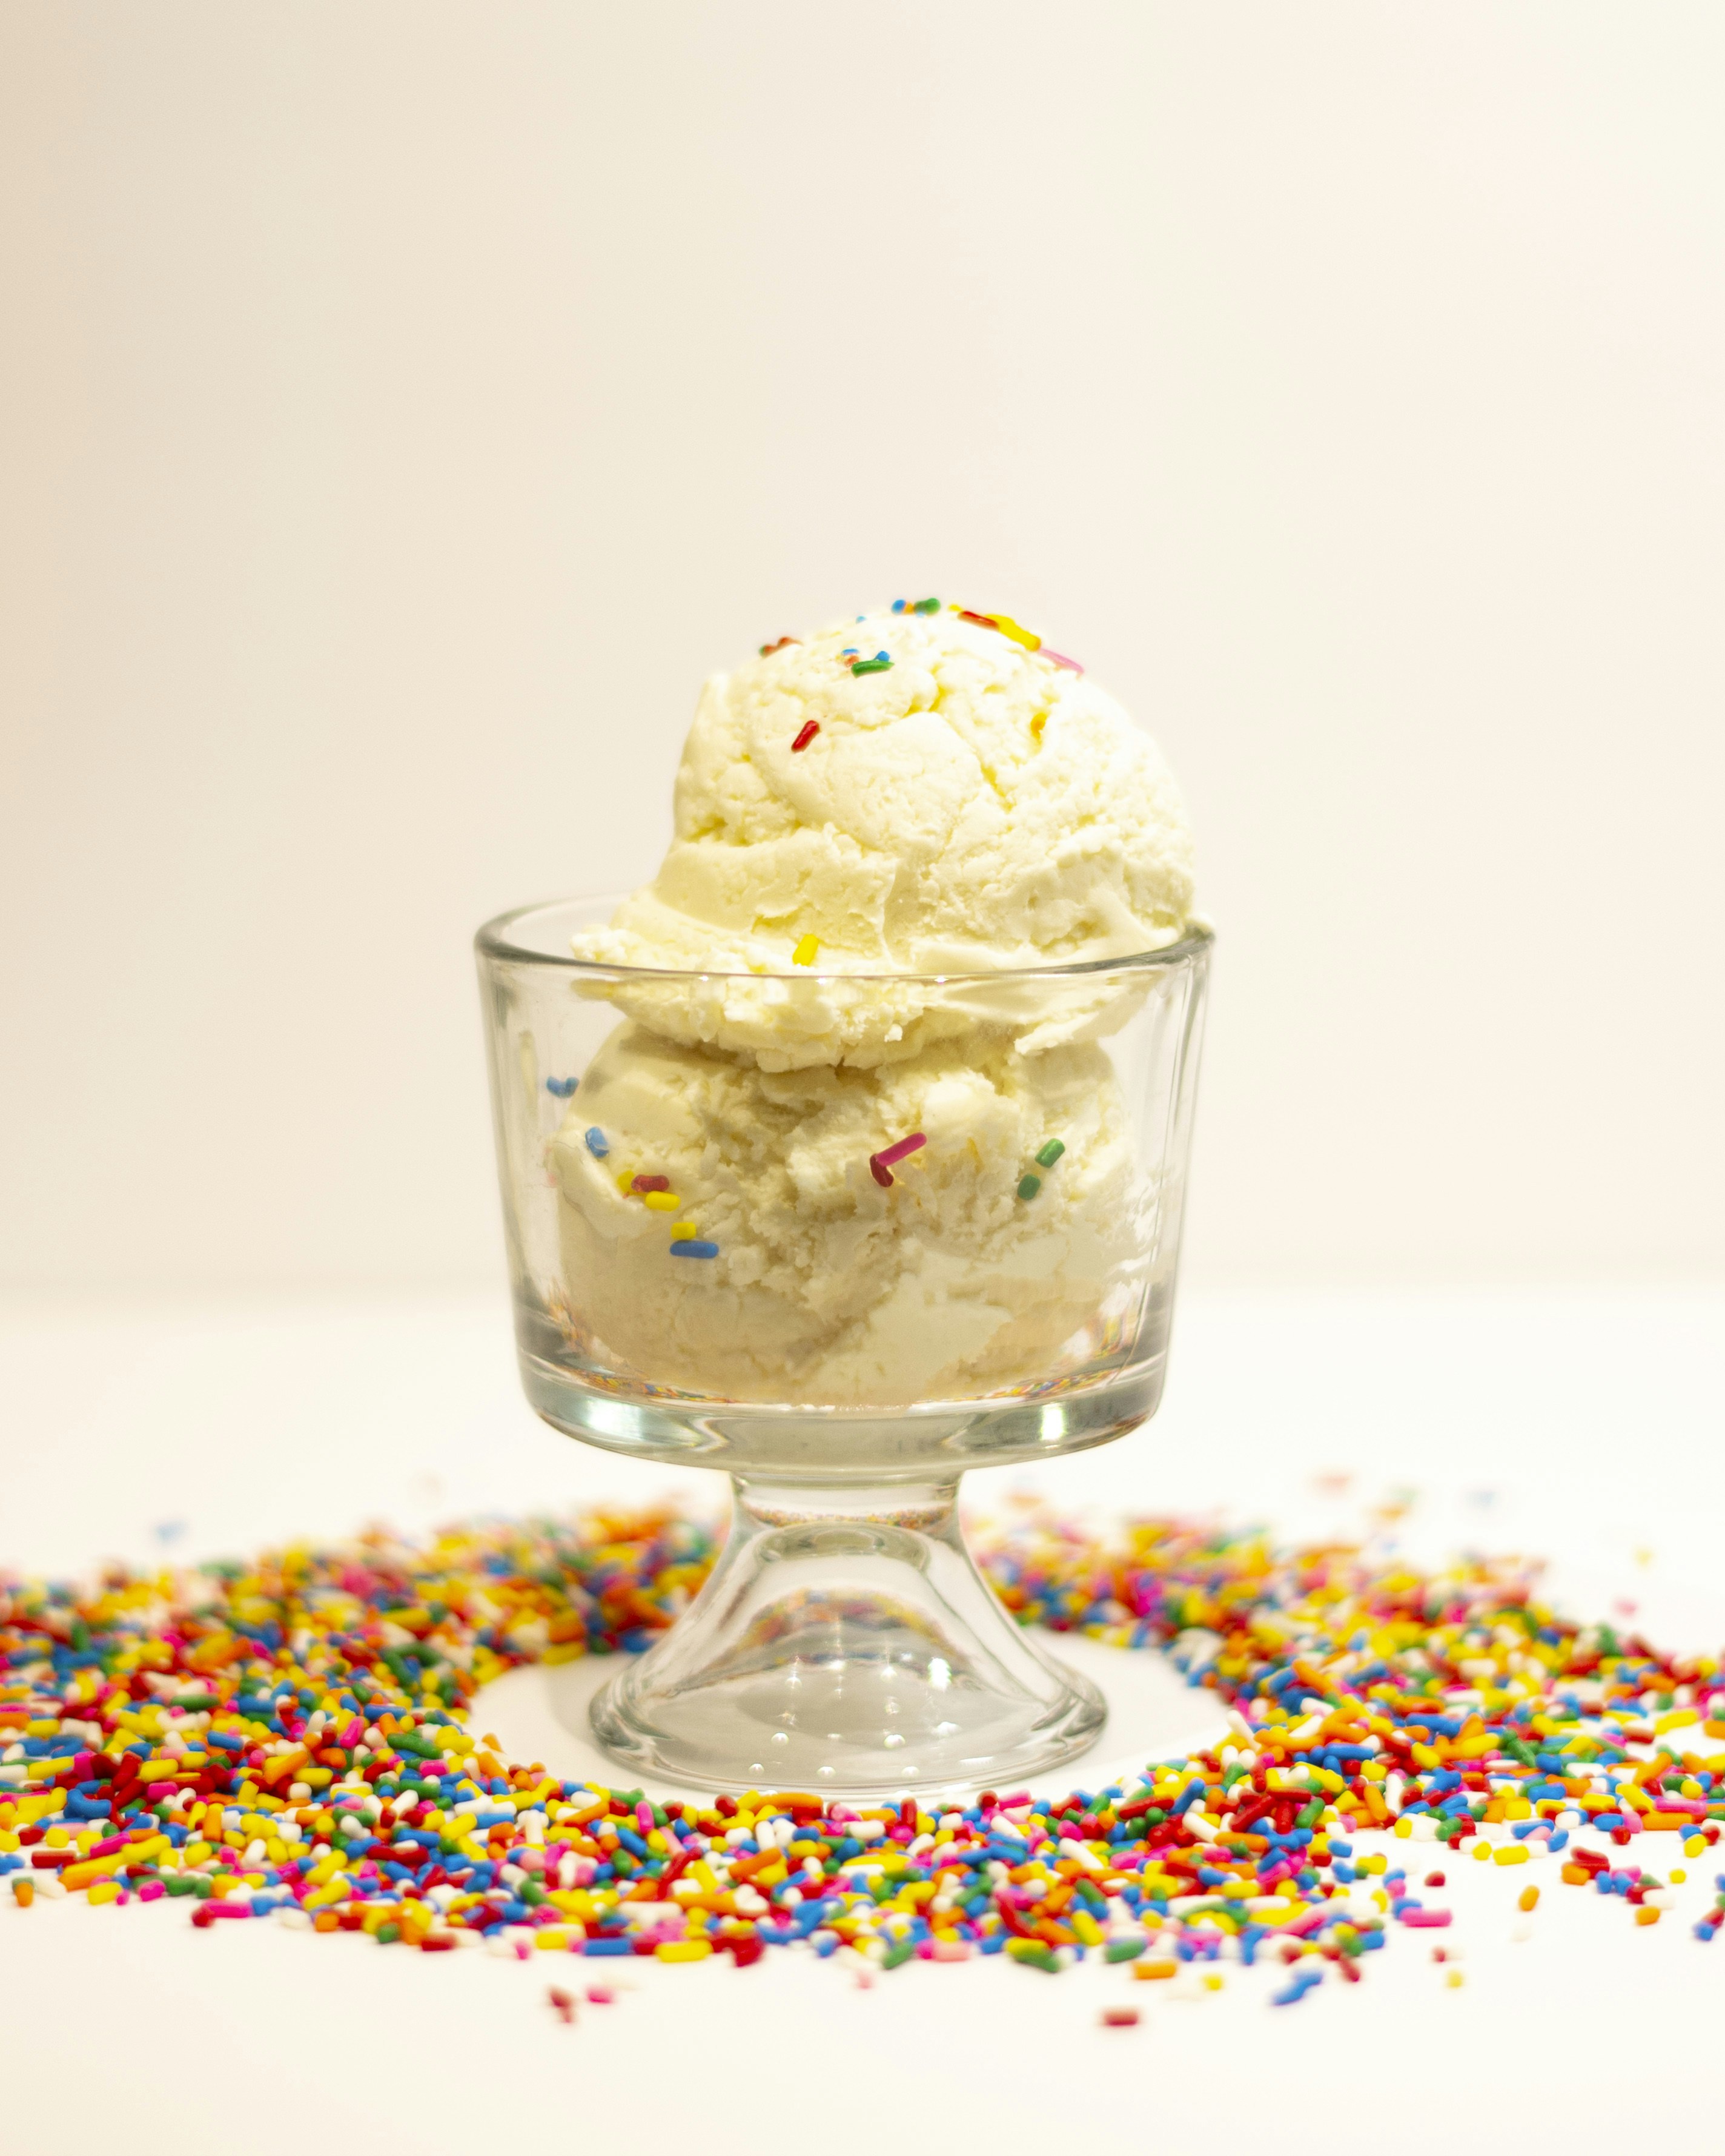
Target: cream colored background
402	406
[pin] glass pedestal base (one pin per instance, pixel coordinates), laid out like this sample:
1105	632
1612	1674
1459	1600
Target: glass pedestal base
845	1645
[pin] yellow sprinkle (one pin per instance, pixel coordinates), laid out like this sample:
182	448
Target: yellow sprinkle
1530	1899
108	1890
1455	1979
1678	1877
662	1201
1482	1852
686	1231
1007	626
804	953
626	1182
682	1949
1512	1852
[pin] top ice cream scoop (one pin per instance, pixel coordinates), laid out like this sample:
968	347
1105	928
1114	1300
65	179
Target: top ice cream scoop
910	791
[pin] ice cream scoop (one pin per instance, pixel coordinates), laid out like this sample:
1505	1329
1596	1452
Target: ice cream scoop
934	1228
904	794
919	793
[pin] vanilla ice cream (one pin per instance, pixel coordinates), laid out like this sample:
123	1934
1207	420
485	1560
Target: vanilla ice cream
801	1170
971	805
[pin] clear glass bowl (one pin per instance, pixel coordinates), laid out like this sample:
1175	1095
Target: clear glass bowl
842	1283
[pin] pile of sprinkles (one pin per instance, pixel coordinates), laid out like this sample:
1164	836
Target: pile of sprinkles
284	1739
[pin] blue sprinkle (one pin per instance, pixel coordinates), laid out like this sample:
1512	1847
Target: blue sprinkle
1297	1988
562	1087
607	1946
596	1143
689	1248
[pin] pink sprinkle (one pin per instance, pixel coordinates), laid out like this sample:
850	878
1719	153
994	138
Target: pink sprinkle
1060	659
1426	1920
883	1175
158	1791
110	1847
644	1816
152	1890
598	1995
891	1156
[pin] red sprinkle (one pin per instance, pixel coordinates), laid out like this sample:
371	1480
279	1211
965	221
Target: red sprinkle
891	1156
883	1175
810	729
644	1183
1120	2017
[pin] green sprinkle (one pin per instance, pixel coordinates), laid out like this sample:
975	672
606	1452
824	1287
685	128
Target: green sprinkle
1028	1954
1124	1949
895	1957
871	666
386	1934
1029	1186
1049	1153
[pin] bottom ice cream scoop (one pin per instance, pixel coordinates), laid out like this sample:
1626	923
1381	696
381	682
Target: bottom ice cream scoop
773	1236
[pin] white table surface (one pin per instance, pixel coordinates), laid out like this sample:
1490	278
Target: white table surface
1587	1427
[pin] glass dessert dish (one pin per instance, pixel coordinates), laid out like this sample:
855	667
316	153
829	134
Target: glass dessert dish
843	1280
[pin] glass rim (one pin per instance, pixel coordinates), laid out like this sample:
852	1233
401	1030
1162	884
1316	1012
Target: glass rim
493	941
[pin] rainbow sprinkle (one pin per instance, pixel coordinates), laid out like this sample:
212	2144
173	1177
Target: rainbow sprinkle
282	1739
1007	626
806	733
916	606
879	663
882	1164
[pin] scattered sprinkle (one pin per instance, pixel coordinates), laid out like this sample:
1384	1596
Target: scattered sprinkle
597	1143
916	606
626	1182
767	649
807	950
647	1185
1050	1153
1120	2017
686	1231
561	1087
691	1246
879	663
283	1737
806	733
1028	1185
662	1201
